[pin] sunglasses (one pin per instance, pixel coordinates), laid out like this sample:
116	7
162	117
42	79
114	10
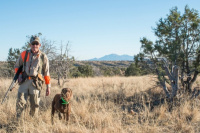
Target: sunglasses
35	43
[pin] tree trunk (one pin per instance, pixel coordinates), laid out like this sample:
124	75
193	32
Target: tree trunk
58	79
174	84
191	81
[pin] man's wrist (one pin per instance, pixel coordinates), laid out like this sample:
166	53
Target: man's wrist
48	85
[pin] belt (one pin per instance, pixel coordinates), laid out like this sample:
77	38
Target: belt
31	77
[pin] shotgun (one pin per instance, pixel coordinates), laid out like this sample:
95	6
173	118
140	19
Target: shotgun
13	82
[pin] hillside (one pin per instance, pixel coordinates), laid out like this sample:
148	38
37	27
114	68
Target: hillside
4	71
120	64
93	63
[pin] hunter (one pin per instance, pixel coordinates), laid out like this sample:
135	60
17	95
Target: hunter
34	73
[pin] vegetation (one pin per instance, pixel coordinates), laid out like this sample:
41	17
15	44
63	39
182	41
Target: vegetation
132	70
107	104
85	70
13	55
176	50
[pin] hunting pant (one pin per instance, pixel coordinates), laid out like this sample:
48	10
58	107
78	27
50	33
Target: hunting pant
27	89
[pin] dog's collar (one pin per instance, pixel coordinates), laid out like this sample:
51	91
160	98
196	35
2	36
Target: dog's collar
63	101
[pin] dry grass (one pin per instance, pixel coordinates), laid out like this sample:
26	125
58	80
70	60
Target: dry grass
107	105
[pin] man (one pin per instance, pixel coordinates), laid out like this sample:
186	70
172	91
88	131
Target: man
35	67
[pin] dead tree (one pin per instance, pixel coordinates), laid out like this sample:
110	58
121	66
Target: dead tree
63	64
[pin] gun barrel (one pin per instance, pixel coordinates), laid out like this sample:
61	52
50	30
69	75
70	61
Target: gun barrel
11	86
13	82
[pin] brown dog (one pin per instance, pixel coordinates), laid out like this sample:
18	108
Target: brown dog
61	104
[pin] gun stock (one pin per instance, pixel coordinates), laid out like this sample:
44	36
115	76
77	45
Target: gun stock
13	82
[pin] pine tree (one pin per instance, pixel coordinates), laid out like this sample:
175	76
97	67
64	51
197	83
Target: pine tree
13	55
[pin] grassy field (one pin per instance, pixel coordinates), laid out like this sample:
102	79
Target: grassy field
107	105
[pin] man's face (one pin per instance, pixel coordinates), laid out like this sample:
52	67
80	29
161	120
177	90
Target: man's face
35	47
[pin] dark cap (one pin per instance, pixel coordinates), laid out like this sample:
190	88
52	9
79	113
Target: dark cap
34	39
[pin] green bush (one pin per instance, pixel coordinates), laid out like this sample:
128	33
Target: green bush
132	70
85	70
75	72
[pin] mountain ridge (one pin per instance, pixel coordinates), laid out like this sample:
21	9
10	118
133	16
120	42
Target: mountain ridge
113	57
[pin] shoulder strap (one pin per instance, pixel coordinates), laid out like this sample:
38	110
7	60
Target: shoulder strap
41	63
25	60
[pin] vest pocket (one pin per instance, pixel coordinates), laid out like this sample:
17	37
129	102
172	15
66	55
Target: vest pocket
38	82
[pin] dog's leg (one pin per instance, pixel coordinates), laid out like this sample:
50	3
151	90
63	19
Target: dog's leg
68	113
64	114
59	115
67	117
52	112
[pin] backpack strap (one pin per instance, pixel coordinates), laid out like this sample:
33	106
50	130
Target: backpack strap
24	63
41	63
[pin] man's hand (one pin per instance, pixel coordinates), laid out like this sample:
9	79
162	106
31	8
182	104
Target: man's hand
48	91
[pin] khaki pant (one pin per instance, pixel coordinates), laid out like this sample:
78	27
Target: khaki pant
27	89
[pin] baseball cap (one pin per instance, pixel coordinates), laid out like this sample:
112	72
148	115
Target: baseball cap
34	39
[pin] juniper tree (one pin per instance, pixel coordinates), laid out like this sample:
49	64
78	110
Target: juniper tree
176	51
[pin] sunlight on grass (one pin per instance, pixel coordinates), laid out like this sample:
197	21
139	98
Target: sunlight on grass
105	105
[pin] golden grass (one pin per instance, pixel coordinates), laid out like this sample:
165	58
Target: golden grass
106	105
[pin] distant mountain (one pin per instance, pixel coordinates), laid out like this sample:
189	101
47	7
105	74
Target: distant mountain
113	57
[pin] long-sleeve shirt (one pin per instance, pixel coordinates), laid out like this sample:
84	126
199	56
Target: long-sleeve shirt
35	63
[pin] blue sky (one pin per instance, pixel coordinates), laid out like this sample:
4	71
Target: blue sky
94	28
